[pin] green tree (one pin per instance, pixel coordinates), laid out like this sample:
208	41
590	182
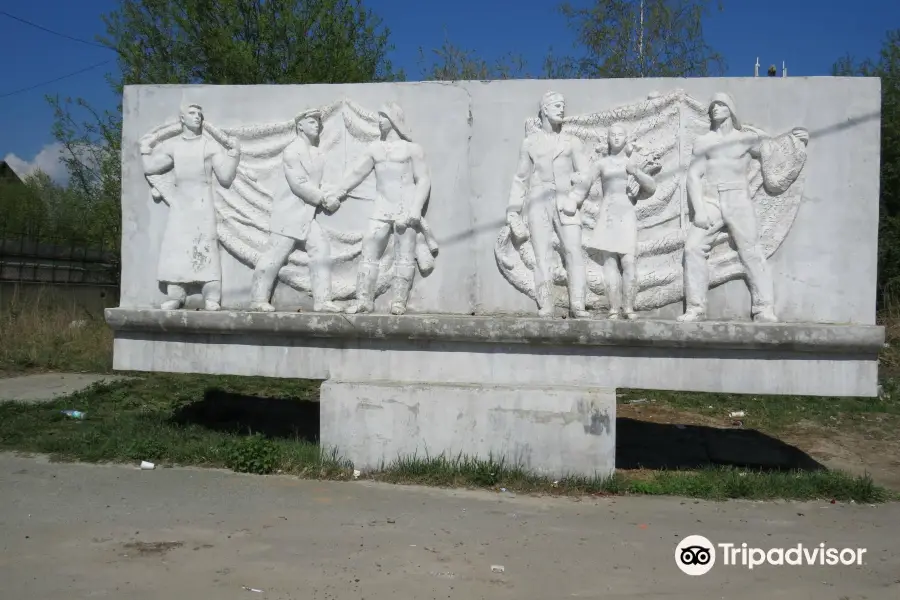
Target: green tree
638	38
236	42
453	63
887	67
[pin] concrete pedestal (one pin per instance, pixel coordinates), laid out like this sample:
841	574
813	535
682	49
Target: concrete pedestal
550	430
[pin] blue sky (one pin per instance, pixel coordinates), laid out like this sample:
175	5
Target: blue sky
808	34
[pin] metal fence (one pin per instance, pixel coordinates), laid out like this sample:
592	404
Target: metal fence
55	261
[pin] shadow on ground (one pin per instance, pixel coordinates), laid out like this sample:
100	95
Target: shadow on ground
646	445
288	418
639	444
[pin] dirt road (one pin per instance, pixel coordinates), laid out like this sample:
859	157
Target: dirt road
79	531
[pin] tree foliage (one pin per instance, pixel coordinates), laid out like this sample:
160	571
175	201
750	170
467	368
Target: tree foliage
237	42
887	67
242	42
453	63
615	41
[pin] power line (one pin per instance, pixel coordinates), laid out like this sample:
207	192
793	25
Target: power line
63	35
37	85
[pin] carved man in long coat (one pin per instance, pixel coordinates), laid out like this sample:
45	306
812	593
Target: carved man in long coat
293	219
543	191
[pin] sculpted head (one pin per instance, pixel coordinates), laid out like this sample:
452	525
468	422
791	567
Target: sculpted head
192	117
721	108
553	107
390	117
617	138
309	123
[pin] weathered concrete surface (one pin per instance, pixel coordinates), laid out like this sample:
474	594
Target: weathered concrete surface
808	337
361	359
49	386
77	531
553	430
823	271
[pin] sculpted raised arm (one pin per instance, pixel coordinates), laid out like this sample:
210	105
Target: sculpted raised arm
647	183
156	160
355	176
225	163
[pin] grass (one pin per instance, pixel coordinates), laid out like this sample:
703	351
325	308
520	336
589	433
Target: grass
167	419
44	333
256	425
261	425
879	417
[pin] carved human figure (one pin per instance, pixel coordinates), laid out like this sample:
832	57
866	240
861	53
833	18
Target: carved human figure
403	185
548	161
614	234
717	184
189	252
293	220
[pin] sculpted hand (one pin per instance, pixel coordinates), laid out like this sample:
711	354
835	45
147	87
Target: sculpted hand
801	133
702	221
568	205
234	146
634	188
330	201
147	143
516	227
413	220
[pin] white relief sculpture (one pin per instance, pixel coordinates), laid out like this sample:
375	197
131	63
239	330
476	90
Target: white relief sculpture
248	208
403	183
719	193
663	131
623	176
189	252
293	221
550	161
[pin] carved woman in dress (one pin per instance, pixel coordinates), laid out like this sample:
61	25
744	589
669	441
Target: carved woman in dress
615	232
189	252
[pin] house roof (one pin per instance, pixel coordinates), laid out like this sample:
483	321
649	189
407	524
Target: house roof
7	173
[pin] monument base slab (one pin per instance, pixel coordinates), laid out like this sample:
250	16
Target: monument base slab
549	430
807	359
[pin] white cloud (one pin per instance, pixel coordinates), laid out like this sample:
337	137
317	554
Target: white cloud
48	160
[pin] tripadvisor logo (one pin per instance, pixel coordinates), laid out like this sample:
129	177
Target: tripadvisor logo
696	555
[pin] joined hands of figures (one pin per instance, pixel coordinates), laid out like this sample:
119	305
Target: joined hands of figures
331	199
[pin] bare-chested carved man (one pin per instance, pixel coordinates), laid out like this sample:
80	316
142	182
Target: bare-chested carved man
403	183
615	231
541	189
719	193
294	222
189	252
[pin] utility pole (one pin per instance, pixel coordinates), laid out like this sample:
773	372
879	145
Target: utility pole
756	68
641	42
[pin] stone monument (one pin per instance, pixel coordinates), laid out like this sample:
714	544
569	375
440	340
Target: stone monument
461	287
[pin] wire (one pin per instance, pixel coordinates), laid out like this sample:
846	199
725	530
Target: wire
36	26
29	88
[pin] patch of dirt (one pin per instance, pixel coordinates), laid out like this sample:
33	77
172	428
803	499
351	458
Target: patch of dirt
855	451
655	412
152	548
852	452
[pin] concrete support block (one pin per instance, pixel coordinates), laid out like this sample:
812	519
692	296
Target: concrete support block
551	430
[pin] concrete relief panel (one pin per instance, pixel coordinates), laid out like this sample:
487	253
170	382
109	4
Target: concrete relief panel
713	196
711	199
277	183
